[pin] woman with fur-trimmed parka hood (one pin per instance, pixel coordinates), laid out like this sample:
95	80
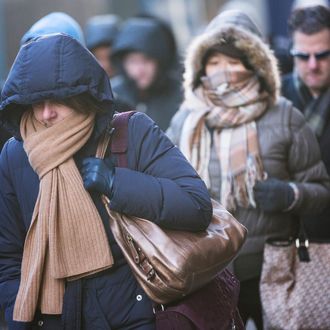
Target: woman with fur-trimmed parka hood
251	147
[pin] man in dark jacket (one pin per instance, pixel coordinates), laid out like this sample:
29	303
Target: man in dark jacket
145	55
51	184
308	87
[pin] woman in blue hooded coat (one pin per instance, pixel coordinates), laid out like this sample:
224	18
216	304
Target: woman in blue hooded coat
60	267
55	22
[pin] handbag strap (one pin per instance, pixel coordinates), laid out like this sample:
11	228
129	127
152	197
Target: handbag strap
117	136
117	133
302	242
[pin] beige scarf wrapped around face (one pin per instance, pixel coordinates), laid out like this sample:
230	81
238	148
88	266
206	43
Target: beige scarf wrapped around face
232	101
66	239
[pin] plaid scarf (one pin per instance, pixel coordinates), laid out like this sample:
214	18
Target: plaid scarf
232	102
317	110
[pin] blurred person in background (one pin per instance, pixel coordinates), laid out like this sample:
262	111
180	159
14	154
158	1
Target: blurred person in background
281	46
60	266
145	54
100	33
55	22
308	87
255	152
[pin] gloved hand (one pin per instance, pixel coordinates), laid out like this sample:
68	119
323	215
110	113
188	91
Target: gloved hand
98	175
273	195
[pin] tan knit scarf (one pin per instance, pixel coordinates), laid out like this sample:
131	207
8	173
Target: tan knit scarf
232	101
66	239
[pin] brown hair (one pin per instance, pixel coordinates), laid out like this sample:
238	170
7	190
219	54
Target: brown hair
309	20
82	103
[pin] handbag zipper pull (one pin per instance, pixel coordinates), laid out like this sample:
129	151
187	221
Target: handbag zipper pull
302	248
151	274
132	248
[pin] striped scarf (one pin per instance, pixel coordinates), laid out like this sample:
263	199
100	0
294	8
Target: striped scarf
66	239
232	101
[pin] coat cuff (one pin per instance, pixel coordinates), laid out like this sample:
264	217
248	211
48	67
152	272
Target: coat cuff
296	196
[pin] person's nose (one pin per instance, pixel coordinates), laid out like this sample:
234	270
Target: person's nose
48	112
312	62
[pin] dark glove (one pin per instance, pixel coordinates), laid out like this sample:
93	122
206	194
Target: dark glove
98	175
273	195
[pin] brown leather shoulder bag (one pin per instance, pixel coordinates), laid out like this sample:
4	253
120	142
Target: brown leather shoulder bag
169	264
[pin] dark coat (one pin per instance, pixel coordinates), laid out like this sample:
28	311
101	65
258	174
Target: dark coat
160	103
317	226
4	136
159	185
152	38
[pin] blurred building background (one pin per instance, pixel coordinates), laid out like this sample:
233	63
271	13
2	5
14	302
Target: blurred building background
186	17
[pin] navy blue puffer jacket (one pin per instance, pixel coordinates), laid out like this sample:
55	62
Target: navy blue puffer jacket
159	184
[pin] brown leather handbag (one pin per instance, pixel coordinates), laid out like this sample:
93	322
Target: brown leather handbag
169	264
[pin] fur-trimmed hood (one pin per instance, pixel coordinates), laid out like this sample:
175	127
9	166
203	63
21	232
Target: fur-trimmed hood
237	28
